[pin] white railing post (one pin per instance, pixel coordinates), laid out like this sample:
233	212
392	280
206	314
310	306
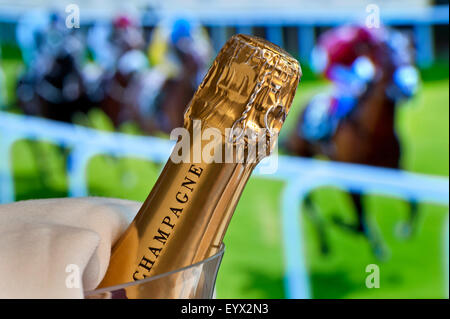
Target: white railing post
296	274
76	168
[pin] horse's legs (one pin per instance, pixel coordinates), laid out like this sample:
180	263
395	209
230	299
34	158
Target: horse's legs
407	228
370	231
318	223
357	227
362	226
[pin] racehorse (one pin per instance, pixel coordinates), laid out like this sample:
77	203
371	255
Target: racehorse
147	97
172	99
156	97
56	93
179	53
53	84
366	135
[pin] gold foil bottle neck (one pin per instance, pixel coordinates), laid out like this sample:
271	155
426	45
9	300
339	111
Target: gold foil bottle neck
250	86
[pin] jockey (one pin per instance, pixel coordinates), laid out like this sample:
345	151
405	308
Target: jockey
109	41
127	33
352	57
349	57
172	41
341	47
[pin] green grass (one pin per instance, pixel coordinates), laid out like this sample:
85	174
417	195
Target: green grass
253	263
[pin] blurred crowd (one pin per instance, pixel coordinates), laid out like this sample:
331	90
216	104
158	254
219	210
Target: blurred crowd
113	66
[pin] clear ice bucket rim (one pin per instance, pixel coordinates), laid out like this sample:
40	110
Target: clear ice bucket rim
99	291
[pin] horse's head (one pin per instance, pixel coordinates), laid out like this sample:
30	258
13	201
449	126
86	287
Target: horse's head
402	78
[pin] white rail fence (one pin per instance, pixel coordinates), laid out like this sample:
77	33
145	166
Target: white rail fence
300	177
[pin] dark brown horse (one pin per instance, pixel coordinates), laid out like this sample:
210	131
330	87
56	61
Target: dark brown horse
56	91
365	136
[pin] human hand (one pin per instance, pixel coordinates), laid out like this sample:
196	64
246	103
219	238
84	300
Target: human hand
58	248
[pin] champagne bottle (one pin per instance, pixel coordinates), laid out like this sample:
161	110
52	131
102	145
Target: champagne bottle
248	90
